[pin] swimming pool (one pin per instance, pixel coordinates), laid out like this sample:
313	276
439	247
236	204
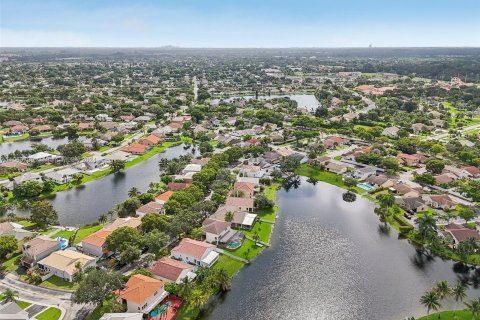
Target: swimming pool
365	186
234	244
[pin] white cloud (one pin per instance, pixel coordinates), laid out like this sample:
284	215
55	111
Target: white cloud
42	38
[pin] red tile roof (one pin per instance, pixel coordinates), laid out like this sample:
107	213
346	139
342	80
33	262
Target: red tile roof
140	288
169	268
193	248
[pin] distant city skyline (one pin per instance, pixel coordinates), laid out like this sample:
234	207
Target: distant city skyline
235	24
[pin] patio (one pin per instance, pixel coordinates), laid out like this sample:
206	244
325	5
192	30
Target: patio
169	306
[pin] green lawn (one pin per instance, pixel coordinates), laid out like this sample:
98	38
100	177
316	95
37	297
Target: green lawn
47	231
248	250
325	176
86	231
24	136
26	223
271	213
55	282
51	313
13	263
448	315
230	265
23	304
63	233
263	230
187	312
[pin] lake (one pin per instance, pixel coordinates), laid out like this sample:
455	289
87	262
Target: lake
79	206
331	259
8	147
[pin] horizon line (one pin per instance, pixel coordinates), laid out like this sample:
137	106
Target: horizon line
294	47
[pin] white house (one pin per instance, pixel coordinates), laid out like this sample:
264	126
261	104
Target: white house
142	293
43	157
192	168
363	173
251	171
61	176
195	252
391	132
215	230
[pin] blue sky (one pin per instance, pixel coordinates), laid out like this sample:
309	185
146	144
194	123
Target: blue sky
239	23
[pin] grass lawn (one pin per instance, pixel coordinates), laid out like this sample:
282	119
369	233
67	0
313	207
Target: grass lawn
263	230
86	231
248	250
55	282
230	265
63	233
271	213
47	231
24	136
151	153
51	313
187	312
460	314
325	176
26	223
23	304
13	263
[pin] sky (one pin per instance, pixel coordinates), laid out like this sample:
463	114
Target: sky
239	23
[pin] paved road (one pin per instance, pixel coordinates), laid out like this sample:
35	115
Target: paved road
446	135
47	297
335	153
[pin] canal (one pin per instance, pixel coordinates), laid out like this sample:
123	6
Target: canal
79	206
329	260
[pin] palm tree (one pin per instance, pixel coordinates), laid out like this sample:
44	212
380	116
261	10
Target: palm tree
430	301
185	288
198	298
103	218
223	280
442	289
229	216
426	226
133	192
474	307
458	293
10	295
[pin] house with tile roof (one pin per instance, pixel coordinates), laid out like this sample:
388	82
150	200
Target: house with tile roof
142	293
195	252
63	264
135	148
244	189
151	207
241	204
171	270
37	249
215	230
164	197
96	243
14	229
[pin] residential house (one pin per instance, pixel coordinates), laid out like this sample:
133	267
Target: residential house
412	204
14	164
96	243
335	167
240	219
460	233
164	197
135	148
244	189
43	157
241	204
215	230
131	222
171	270
195	252
14	229
380	181
37	249
12	311
63	264
61	176
92	164
440	201
363	172
150	141
174	186
404	190
419	127
473	171
391	132
251	171
142	293
410	160
27	176
151	207
122	316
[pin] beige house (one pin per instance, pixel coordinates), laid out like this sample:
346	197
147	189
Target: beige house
142	293
37	249
63	264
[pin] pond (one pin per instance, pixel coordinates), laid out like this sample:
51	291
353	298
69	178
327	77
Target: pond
79	206
8	147
331	259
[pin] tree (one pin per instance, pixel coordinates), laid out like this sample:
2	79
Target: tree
442	289
72	150
153	221
133	192
77	178
474	307
8	245
185	288
155	241
97	286
103	218
128	208
350	182
391	163
262	202
129	253
435	166
425	179
229	216
198	297
289	164
28	189
10	295
438	149
386	200
205	147
459	293
430	301
466	213
427	226
117	165
43	214
123	236
223	279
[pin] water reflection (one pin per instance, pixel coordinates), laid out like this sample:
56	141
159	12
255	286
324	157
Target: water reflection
331	259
